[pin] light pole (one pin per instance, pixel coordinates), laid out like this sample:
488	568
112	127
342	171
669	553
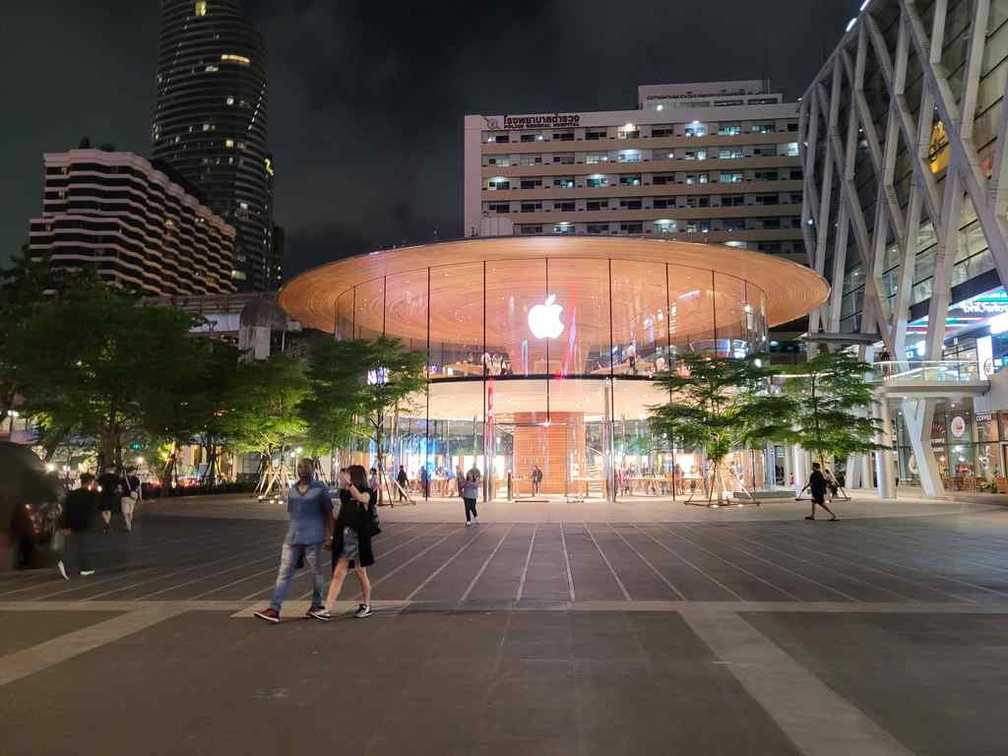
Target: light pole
13	415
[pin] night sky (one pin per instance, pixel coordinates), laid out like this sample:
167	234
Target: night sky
367	98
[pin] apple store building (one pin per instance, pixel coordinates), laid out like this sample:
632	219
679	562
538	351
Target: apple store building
541	350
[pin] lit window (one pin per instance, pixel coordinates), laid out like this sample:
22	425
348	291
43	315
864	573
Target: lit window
229	100
596	181
730	153
230	57
201	8
792	149
665	226
211	68
229	143
269	165
206	127
629	156
730	129
730	178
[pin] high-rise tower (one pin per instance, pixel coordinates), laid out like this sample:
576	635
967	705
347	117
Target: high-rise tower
210	120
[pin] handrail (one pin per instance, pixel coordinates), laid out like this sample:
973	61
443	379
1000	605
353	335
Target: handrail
928	371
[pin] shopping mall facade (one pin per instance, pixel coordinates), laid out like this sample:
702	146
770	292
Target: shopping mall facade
541	351
903	137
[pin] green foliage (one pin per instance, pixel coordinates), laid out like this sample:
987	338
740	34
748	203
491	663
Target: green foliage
720	404
827	390
355	383
22	285
261	409
95	361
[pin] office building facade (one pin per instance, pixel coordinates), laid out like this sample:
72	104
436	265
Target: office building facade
210	121
115	214
903	145
715	162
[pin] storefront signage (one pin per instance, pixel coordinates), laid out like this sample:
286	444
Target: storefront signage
544	319
992	303
957	426
985	357
548	120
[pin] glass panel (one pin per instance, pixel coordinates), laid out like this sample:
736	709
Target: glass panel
456	318
691	315
581	288
640	330
522	437
644	464
406	309
455	432
369	310
344	316
580	404
730	308
523	322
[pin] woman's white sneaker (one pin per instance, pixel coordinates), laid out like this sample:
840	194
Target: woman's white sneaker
363	611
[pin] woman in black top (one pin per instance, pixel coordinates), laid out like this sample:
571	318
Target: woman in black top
351	543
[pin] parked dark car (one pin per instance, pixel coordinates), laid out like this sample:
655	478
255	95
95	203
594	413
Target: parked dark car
30	509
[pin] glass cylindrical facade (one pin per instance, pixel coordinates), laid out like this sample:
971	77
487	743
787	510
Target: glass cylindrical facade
540	369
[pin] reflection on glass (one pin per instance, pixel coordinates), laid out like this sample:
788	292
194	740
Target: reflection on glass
521	324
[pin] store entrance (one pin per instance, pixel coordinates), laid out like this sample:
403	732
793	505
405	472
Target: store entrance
558	459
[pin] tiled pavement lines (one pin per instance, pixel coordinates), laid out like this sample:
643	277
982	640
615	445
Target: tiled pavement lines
816	719
271	570
646	561
174	573
608	564
472	539
412	559
528	559
773	564
690	564
193	553
486	563
904	565
825	568
570	574
382	554
731	564
791	541
904	543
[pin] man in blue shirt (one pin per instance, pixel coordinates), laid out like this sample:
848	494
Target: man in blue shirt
309	511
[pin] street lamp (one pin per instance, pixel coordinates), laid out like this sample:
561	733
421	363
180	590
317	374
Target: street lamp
13	415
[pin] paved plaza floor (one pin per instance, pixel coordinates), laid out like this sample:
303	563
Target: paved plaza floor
641	627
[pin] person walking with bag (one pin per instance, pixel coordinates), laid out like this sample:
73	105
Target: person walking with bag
470	490
351	541
131	496
309	513
79	509
817	485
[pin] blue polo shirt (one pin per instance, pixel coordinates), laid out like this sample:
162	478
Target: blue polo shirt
307	514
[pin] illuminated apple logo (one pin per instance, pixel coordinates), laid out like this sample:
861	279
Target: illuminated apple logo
544	319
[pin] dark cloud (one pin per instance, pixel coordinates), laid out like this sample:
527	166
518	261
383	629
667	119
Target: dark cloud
367	98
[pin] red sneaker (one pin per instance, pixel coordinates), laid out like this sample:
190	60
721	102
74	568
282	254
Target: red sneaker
268	615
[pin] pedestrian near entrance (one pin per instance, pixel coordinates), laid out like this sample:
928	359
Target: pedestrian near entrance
132	494
817	486
79	508
537	477
309	514
351	541
109	495
470	490
403	480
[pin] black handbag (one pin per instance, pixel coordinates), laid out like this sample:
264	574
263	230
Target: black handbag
375	522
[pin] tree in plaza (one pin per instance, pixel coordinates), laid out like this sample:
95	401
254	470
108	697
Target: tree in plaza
90	360
261	413
22	285
720	404
356	384
187	404
828	391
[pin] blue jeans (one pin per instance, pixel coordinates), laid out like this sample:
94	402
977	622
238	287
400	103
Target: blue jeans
289	557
